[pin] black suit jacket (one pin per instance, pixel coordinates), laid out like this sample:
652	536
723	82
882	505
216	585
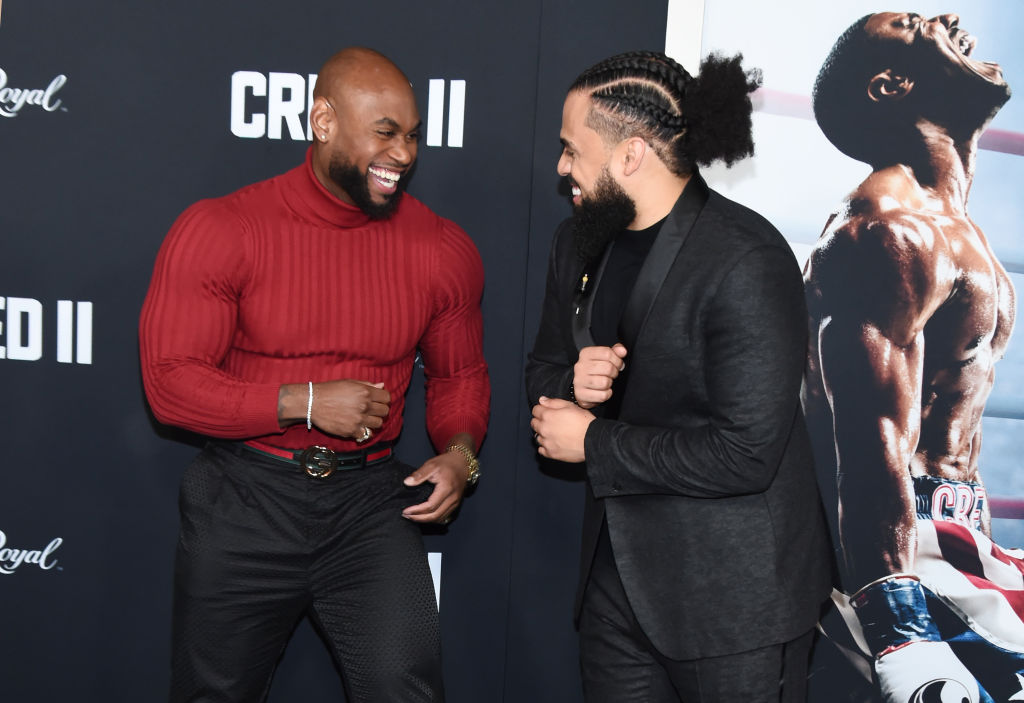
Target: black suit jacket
705	476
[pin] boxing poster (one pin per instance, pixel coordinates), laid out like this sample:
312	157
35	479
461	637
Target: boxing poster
889	151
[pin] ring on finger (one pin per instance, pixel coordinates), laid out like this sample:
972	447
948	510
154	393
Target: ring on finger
367	433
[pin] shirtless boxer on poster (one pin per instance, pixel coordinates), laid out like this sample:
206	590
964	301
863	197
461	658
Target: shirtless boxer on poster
909	311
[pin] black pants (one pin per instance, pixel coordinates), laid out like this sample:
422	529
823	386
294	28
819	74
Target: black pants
262	545
620	664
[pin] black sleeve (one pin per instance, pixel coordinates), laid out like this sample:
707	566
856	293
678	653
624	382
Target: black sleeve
756	333
549	366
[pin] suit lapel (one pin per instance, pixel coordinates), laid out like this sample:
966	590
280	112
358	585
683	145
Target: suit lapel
583	302
661	257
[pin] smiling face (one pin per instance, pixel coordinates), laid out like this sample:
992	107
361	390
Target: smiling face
585	155
941	35
601	207
373	149
939	44
366	129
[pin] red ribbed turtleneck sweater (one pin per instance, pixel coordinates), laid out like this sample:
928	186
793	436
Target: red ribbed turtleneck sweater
281	282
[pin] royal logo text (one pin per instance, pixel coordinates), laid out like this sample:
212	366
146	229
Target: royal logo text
13	99
11	559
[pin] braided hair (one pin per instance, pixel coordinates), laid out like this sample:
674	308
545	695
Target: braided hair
686	120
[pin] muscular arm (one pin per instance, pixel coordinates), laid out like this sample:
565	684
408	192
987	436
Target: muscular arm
458	387
873	386
873	285
188	322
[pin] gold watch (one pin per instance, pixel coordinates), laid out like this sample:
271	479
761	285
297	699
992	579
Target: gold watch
471	461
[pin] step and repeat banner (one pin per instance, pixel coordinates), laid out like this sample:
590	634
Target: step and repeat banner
116	117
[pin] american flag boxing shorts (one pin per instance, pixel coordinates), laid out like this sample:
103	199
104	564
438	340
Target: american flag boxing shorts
974	589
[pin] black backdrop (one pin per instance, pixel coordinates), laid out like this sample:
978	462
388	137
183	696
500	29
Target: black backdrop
93	172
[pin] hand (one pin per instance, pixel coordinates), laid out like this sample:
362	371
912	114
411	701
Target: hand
593	373
448	472
925	671
559	429
341	408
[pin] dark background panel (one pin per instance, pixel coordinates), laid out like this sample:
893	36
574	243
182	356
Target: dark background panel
87	193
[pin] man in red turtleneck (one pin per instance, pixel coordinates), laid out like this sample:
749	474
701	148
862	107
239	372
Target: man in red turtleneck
283	321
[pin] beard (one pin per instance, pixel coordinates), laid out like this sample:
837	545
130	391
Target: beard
599	218
349	178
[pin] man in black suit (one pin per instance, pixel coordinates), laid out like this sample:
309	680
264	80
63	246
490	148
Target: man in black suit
669	360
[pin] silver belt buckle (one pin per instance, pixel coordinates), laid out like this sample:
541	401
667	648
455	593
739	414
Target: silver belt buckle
319	462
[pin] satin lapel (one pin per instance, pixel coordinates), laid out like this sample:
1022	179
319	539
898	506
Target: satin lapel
661	257
583	304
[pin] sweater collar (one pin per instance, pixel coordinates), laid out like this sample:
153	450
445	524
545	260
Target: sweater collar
308	197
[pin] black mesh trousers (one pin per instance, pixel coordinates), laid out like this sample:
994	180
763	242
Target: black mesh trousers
262	544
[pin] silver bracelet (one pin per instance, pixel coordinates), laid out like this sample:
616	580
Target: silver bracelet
309	409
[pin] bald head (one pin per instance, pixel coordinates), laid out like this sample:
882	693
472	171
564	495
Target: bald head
358	68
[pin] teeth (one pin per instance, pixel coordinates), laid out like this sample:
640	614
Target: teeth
384	174
965	43
576	191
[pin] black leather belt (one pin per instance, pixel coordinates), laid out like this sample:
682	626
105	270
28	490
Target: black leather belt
321	462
